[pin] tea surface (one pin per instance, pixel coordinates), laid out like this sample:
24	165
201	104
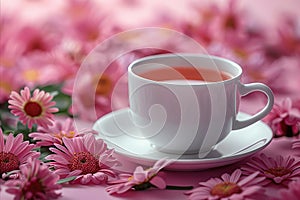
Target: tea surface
186	73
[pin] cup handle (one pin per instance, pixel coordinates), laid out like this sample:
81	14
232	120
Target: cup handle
245	89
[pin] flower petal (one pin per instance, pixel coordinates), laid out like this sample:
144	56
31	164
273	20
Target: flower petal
158	182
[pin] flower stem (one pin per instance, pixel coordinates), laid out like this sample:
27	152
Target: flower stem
172	187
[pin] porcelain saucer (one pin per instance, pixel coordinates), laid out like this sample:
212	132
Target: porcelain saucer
119	132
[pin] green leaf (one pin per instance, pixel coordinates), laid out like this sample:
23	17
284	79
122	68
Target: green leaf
66	180
63	102
23	129
7	132
6	118
51	88
44	152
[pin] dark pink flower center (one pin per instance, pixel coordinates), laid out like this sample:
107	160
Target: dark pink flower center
33	109
225	189
8	162
85	162
35	186
230	22
278	171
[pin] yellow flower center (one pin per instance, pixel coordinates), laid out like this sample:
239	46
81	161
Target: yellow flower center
225	189
5	62
31	75
104	85
5	86
241	53
63	134
256	75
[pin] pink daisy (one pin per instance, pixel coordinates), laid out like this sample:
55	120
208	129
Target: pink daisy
53	134
35	181
293	191
229	187
278	170
284	119
35	109
84	157
14	152
140	179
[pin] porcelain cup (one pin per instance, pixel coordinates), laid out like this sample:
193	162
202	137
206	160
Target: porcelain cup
189	117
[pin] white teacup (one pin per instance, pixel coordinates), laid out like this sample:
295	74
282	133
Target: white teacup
185	115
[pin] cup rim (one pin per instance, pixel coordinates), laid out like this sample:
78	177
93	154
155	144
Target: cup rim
185	55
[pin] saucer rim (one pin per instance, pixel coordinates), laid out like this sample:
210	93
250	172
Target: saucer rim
196	161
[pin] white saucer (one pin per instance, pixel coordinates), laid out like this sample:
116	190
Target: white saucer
118	131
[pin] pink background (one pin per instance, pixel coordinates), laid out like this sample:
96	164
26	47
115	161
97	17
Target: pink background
265	10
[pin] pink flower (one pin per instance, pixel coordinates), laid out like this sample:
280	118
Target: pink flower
32	38
87	22
43	68
140	179
84	157
9	81
229	187
284	119
288	42
296	144
53	134
35	181
14	152
108	89
293	191
35	109
278	170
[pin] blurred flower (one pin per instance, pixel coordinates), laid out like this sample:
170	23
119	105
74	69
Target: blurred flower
229	187
40	68
108	90
292	193
284	119
86	20
201	28
53	134
39	38
35	181
140	179
84	157
289	36
9	81
35	109
14	152
11	50
279	170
